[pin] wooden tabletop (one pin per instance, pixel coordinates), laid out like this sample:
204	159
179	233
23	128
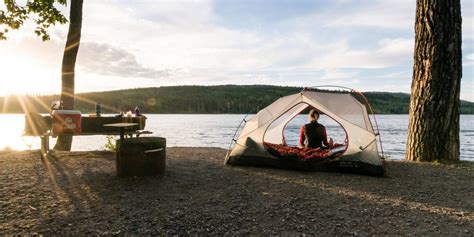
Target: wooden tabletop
120	125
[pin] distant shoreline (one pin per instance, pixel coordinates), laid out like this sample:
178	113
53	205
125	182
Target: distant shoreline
227	99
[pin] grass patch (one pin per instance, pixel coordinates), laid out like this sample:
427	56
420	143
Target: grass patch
465	163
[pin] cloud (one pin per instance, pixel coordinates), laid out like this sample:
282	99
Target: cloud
32	49
177	12
467	11
387	53
349	16
387	14
358	43
108	60
337	74
188	35
468	60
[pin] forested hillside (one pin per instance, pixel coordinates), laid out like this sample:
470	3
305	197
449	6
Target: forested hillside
196	99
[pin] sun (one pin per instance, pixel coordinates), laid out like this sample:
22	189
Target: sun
21	74
15	122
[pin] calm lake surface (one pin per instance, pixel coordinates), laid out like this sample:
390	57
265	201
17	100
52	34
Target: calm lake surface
207	130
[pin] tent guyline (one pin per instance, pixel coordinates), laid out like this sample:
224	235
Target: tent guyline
375	119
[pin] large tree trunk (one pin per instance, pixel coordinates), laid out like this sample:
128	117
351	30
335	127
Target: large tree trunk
69	62
433	132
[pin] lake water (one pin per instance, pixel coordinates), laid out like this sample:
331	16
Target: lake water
217	131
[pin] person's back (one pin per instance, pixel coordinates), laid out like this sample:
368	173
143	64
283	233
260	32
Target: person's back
313	134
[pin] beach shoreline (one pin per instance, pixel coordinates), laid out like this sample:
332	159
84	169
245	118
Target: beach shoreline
79	193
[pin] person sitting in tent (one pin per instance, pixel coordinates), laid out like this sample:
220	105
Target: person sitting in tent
313	134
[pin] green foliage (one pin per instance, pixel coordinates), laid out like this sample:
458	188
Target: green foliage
389	103
43	12
467	164
197	99
110	143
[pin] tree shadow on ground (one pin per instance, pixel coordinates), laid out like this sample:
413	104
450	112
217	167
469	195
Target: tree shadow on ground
198	194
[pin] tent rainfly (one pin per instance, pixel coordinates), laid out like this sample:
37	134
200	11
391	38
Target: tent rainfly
359	154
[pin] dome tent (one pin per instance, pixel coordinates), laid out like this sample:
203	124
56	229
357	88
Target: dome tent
358	155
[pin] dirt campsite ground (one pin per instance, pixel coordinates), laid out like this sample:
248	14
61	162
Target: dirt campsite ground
79	193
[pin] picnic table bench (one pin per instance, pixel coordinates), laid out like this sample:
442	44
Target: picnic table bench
40	125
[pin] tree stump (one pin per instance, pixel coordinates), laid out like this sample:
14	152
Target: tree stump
141	156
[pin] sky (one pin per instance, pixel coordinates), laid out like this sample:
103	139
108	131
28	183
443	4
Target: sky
362	44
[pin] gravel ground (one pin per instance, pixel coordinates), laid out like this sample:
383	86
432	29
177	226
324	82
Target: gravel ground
78	193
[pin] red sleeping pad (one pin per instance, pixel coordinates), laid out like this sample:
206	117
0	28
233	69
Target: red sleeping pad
304	153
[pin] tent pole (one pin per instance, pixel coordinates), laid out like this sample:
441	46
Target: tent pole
243	122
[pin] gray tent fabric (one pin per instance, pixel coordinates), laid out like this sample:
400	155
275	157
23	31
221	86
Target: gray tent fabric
361	151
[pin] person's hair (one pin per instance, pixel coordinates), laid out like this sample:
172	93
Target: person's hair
314	114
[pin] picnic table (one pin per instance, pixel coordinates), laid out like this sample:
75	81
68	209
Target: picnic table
121	127
40	125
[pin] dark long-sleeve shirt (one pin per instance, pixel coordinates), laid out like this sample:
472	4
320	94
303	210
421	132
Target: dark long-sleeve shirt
313	135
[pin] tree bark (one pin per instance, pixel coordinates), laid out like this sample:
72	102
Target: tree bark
64	142
433	132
